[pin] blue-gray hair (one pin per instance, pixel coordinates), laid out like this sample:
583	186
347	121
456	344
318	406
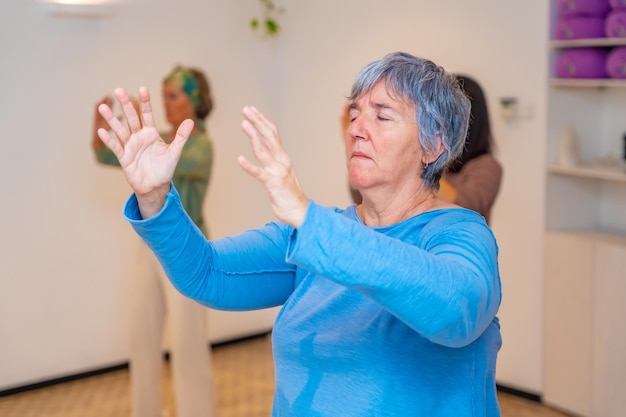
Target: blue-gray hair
441	106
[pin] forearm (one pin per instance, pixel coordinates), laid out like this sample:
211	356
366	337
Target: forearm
237	273
447	293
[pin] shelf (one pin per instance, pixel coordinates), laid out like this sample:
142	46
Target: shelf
589	171
578	43
588	82
607	236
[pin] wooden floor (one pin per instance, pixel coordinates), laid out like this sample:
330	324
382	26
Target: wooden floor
245	384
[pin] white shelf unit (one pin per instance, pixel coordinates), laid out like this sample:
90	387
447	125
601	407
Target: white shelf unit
588	196
585	243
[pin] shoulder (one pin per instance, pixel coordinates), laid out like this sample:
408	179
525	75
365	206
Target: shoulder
483	162
457	223
200	137
199	141
454	215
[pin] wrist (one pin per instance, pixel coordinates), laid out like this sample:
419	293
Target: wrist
151	203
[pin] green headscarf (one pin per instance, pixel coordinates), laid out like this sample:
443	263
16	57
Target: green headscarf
189	85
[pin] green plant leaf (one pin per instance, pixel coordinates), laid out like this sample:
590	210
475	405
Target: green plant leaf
271	26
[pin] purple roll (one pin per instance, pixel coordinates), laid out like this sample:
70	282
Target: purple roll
579	27
583	7
617	4
582	63
616	62
615	26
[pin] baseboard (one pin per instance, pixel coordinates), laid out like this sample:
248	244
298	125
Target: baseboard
68	378
519	393
113	368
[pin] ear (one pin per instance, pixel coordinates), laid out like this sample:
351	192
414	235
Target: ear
431	156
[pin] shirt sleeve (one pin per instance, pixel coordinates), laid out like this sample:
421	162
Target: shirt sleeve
242	272
448	290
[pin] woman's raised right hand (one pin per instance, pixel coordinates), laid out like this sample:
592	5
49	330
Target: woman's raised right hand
147	160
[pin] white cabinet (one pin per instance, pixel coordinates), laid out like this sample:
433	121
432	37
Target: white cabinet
584	327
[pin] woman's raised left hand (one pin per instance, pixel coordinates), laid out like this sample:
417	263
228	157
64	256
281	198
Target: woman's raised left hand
276	171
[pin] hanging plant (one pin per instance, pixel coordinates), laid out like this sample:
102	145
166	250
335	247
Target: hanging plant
267	23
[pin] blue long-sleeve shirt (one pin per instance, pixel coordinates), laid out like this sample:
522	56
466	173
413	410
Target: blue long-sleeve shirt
386	321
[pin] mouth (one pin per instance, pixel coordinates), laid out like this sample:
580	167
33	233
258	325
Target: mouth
359	155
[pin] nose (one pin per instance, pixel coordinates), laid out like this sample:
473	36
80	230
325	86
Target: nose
358	129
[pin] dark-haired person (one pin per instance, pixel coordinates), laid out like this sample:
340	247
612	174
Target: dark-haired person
186	95
473	180
389	306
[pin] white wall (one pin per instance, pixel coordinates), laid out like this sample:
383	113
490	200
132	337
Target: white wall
64	248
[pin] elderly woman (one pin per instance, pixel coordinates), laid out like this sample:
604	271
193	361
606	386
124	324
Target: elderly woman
389	307
186	95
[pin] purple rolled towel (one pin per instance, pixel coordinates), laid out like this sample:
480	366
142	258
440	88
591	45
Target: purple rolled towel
582	63
615	26
617	4
616	62
579	27
583	7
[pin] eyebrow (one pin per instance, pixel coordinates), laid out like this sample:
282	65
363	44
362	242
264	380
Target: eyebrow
383	106
380	106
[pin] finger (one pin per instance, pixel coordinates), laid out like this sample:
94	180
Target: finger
267	134
111	143
259	147
262	124
146	107
251	169
115	125
132	118
182	134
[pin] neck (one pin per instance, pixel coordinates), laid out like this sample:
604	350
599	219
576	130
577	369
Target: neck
397	209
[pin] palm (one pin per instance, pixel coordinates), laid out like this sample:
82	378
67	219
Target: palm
146	159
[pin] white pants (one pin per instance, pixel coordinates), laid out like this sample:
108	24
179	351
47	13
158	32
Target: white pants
152	297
